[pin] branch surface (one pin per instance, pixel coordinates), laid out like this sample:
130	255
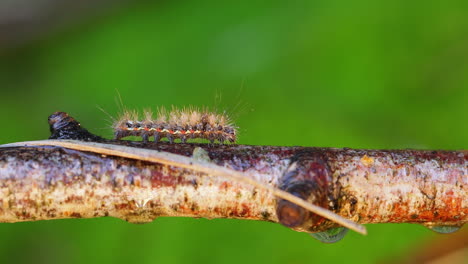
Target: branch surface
365	186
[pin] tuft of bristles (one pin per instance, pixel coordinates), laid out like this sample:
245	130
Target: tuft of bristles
183	124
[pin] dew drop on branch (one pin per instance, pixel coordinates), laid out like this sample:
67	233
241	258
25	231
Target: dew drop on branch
332	235
445	229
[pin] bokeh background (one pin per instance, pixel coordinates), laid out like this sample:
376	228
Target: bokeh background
362	74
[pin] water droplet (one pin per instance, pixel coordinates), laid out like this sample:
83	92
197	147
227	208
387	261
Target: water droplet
332	235
445	229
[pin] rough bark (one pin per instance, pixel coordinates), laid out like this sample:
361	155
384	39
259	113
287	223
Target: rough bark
365	186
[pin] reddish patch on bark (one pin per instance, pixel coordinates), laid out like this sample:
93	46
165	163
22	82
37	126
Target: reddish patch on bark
137	182
74	199
399	210
52	213
225	186
245	210
319	173
23	215
217	210
122	206
240	211
75	214
160	180
452	209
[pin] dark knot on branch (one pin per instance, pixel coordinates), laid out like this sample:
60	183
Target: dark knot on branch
63	126
308	178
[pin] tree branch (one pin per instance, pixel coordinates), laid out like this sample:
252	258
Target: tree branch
50	179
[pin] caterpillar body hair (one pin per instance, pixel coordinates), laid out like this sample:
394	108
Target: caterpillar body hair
183	124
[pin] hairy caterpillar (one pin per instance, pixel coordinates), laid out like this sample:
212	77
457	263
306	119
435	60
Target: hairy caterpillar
183	124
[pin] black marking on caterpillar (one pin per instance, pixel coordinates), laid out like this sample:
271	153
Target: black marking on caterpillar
184	124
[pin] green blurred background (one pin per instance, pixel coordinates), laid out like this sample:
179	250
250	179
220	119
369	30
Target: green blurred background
362	74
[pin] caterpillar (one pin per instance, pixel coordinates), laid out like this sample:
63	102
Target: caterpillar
184	124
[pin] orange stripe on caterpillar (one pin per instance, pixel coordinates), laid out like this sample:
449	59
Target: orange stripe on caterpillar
184	124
